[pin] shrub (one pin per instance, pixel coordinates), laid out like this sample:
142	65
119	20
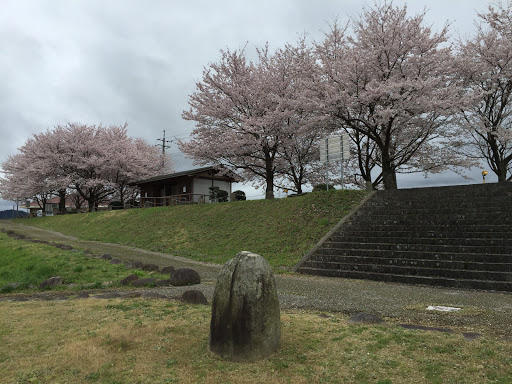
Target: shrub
239	195
218	195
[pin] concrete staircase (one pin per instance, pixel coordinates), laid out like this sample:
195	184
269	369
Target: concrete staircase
458	236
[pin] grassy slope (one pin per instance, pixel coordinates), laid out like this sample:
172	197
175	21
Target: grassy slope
281	230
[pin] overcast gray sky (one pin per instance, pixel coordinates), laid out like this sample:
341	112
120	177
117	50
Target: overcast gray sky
137	61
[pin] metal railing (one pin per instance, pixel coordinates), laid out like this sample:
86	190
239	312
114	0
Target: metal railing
183	199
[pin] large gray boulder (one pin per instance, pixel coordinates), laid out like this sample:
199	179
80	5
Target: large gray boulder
246	323
129	279
150	267
185	276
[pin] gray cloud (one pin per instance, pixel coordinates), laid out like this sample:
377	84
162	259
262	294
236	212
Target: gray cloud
114	61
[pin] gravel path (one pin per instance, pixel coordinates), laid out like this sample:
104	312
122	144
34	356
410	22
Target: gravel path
485	312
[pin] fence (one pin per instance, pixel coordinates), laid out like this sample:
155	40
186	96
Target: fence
183	199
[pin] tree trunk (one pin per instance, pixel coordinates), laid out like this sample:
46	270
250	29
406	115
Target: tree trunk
269	192
121	195
501	171
43	214
91	205
62	201
388	173
269	178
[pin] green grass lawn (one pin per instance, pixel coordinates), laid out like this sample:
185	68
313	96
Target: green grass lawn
161	341
29	264
281	230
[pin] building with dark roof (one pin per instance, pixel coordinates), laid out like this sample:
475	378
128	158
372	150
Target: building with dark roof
186	187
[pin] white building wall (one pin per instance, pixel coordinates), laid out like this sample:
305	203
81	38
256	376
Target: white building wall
201	186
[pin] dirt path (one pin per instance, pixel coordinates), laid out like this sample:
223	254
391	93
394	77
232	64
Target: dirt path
483	312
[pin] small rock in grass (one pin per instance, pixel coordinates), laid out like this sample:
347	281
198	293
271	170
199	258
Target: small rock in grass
39	241
163	283
143	282
131	295
63	246
425	328
72	285
470	336
116	261
105	256
51	282
137	264
153	295
194	297
10	287
150	267
366	318
185	276
108	295
128	279
15	235
167	270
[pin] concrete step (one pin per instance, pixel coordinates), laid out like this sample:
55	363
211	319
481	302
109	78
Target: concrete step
459	283
406	234
441	199
459	236
443	248
450	273
411	255
459	211
432	220
483	202
453	192
413	263
433	228
385	238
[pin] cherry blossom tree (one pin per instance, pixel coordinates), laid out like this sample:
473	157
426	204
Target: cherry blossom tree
230	108
253	117
26	176
391	81
485	62
100	161
94	161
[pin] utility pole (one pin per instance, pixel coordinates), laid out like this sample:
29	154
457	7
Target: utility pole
164	143
164	146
